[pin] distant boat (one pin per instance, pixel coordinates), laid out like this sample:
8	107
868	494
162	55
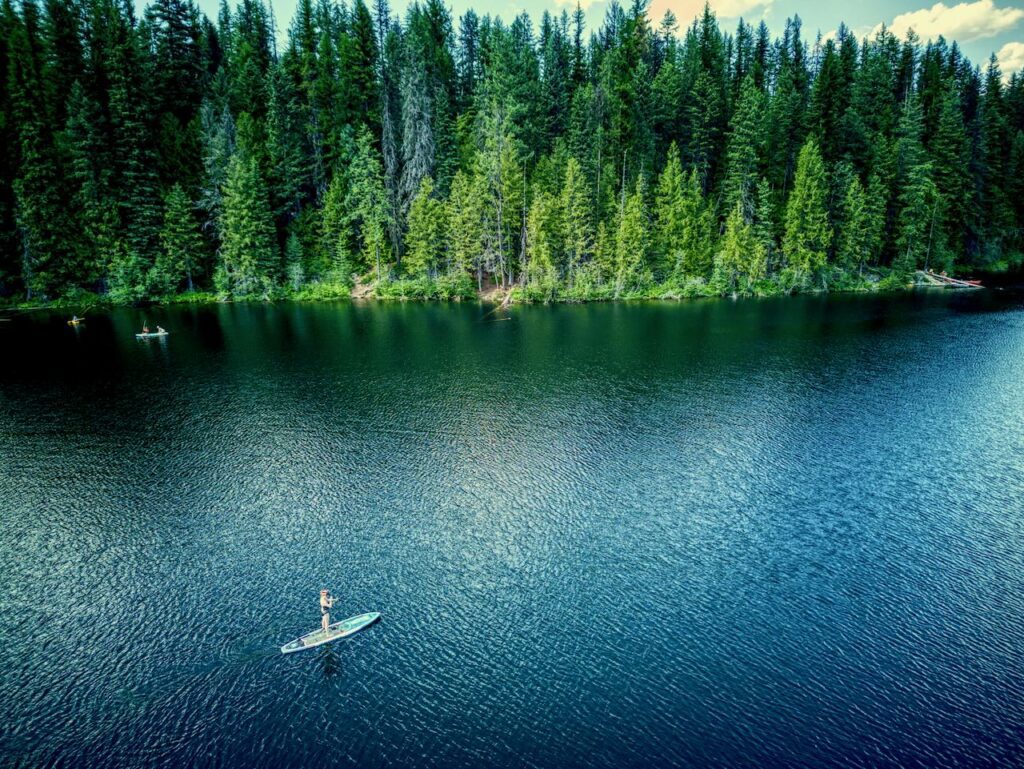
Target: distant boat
148	334
76	321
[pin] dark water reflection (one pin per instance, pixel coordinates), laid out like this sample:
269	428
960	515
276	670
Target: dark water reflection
765	533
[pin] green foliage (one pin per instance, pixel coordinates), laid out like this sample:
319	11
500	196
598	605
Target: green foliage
917	199
808	231
181	246
855	238
249	263
633	245
140	158
743	152
427	236
366	204
683	224
576	220
465	226
741	261
321	291
445	287
544	242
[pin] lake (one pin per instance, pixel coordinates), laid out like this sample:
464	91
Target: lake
784	532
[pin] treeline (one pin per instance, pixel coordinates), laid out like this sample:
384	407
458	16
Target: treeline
141	158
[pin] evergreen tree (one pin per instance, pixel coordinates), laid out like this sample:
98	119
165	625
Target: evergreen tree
766	224
632	244
337	242
743	151
544	240
696	243
367	204
670	214
808	231
918	204
182	246
949	153
532	142
465	227
248	255
575	223
428	232
854	247
741	259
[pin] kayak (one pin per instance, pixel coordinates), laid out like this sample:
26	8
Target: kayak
151	333
335	631
74	322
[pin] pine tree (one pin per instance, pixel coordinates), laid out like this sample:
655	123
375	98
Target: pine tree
40	212
766	224
696	243
182	246
136	183
465	227
418	142
916	196
249	264
741	259
670	214
289	177
632	244
743	151
360	66
544	241
808	231
854	238
294	260
576	226
949	153
427	235
500	170
89	177
367	204
336	224
219	147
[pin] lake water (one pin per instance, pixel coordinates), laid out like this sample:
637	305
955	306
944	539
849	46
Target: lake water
767	533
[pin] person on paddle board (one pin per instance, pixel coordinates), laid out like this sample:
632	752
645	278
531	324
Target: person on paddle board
326	604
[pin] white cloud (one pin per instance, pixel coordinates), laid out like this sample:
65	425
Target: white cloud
963	22
1011	59
688	10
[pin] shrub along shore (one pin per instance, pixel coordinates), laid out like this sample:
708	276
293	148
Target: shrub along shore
449	289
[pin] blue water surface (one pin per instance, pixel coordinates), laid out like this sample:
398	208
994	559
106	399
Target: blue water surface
784	532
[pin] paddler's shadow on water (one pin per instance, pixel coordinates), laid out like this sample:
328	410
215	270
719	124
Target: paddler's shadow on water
330	663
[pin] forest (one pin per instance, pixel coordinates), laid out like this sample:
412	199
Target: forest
167	155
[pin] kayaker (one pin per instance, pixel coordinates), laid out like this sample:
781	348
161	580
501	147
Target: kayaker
326	604
160	330
145	329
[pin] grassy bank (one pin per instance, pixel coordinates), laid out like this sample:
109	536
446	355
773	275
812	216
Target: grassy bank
463	288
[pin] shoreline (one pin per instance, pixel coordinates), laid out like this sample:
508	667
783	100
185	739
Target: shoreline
396	293
420	291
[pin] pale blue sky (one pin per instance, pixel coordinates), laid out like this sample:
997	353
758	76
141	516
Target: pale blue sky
980	26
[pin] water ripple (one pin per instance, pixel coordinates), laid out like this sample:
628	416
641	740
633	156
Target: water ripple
769	533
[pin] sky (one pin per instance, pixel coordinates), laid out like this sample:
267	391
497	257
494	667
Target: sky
981	27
